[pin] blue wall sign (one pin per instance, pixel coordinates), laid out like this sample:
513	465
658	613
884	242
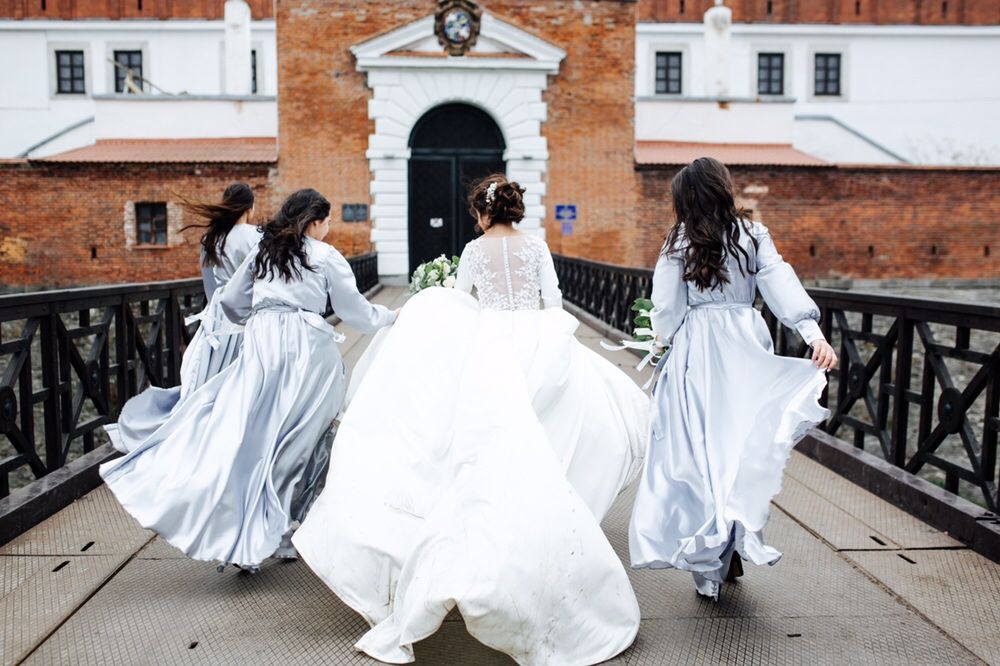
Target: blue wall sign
567	228
565	212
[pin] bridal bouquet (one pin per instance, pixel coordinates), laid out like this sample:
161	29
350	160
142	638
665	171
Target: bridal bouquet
438	272
643	337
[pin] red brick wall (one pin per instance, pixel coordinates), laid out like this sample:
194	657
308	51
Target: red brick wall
918	12
52	217
324	125
131	9
857	222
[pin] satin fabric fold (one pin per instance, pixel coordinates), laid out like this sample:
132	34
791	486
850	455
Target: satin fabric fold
507	444
726	415
219	478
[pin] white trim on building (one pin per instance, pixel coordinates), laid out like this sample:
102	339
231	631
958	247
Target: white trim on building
508	88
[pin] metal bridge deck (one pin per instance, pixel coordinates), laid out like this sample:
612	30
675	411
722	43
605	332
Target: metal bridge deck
861	582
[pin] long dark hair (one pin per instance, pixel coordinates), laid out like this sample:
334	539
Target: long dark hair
282	247
220	219
712	223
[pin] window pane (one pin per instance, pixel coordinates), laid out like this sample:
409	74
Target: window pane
827	74
668	72
70	72
151	223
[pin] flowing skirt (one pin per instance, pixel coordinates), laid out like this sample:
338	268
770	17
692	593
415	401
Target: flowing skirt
726	414
215	345
234	464
480	451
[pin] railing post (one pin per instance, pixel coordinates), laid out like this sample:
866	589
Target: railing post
173	338
50	384
901	385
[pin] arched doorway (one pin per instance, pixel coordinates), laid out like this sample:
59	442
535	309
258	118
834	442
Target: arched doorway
450	147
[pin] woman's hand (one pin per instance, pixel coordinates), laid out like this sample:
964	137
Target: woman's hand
823	355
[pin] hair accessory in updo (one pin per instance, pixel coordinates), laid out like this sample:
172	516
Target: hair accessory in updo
496	200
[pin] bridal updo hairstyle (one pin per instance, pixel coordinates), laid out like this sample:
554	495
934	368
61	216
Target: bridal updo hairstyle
504	206
709	224
220	218
282	247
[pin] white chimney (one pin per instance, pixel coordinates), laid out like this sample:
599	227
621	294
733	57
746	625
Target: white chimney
237	55
718	24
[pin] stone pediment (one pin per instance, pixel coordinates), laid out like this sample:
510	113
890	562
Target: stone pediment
500	45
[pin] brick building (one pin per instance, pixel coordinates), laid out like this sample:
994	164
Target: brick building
98	215
373	113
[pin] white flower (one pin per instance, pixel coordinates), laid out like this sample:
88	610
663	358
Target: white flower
449	281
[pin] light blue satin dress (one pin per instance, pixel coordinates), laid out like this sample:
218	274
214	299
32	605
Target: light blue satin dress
231	469
215	345
726	413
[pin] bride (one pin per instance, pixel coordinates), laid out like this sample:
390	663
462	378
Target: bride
482	448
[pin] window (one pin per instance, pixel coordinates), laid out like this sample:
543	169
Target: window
151	223
69	72
770	73
125	62
253	71
668	73
828	74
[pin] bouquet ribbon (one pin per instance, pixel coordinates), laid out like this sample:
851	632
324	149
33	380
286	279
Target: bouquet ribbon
653	350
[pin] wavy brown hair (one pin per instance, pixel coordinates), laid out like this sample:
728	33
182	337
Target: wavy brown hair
711	224
282	247
220	218
506	205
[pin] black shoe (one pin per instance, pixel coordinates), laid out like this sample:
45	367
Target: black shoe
735	568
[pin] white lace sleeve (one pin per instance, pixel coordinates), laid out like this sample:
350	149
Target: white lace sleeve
549	281
465	278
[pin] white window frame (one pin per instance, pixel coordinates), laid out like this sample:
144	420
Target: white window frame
786	80
655	47
845	81
88	79
109	56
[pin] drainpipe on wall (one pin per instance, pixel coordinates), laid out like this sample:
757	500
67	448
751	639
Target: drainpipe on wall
237	71
718	25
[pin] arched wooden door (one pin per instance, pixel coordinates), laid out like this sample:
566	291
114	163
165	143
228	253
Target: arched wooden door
450	147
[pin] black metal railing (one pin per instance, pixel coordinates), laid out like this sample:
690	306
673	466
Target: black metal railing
918	383
605	291
365	268
69	359
72	357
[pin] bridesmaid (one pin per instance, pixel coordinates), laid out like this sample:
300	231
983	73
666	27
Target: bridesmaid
726	410
223	478
229	237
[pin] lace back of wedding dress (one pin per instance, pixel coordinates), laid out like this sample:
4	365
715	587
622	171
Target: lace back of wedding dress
506	272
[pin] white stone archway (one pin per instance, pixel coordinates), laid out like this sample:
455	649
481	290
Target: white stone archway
409	74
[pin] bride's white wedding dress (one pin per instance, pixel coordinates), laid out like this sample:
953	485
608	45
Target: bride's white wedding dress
480	451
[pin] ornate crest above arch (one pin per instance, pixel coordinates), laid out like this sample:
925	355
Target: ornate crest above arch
456	24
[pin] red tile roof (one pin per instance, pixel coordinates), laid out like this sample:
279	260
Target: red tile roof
237	150
761	154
